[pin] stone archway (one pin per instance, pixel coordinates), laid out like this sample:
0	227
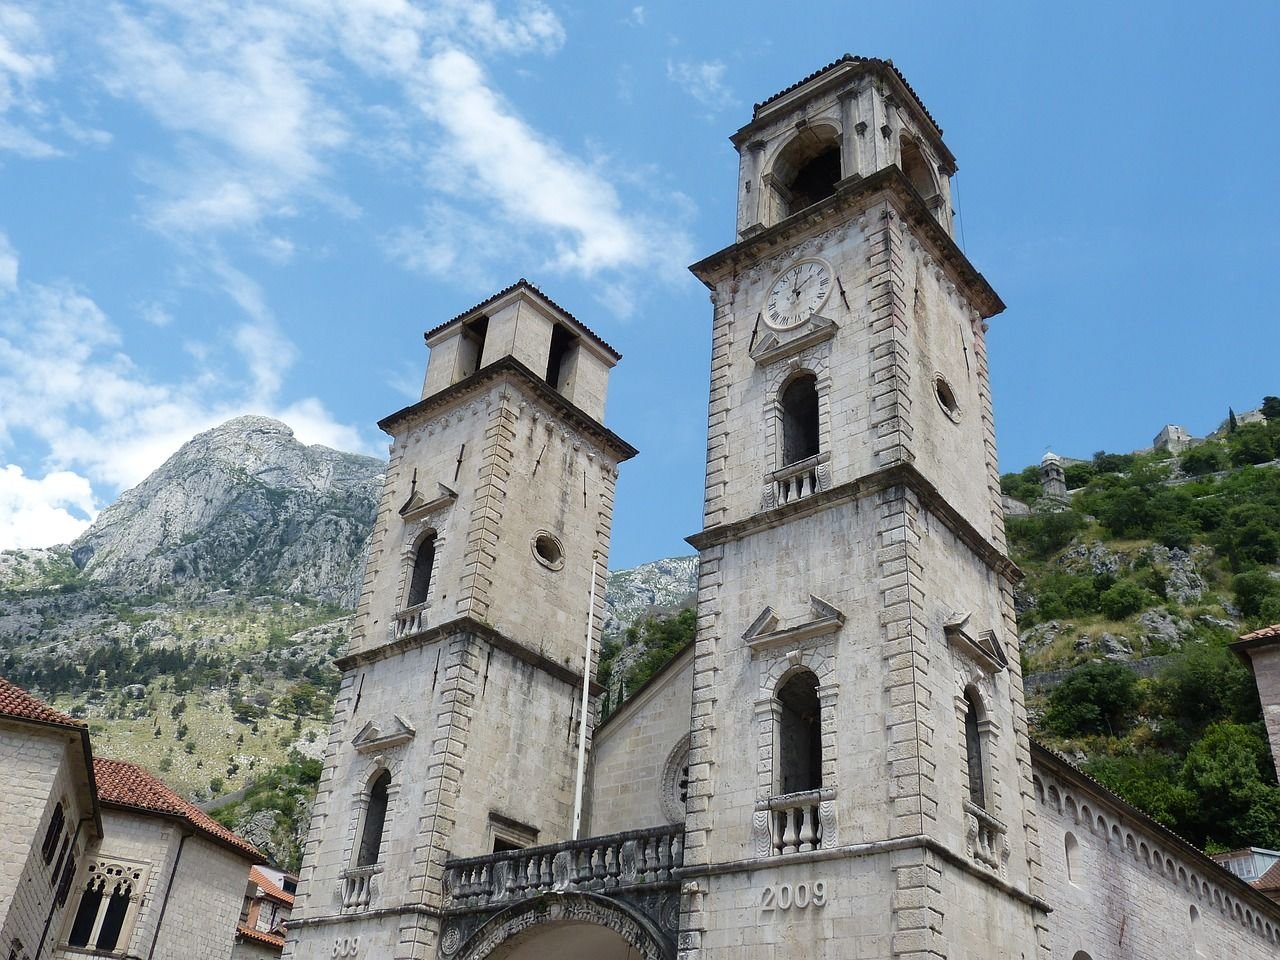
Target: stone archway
560	926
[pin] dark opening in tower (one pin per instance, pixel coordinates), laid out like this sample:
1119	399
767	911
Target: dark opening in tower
916	167
560	359
800	419
800	742
808	168
423	564
471	349
375	818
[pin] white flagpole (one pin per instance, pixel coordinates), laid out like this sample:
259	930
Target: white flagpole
586	691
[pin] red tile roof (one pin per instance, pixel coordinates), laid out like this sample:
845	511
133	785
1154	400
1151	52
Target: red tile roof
124	784
1269	881
1264	634
270	939
269	887
17	703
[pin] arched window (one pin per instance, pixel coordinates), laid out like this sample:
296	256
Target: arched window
53	833
87	914
423	563
375	818
799	402
113	919
973	717
916	167
807	169
800	740
1072	854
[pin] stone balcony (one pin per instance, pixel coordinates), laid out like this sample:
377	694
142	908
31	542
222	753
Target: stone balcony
795	823
797	481
636	867
410	621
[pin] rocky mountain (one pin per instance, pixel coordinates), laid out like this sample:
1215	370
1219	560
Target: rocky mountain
244	507
650	589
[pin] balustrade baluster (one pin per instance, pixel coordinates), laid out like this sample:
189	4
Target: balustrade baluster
677	850
664	858
789	831
807	832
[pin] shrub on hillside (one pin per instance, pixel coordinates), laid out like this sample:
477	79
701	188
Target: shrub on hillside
1098	698
1203	458
1123	599
1252	591
1043	534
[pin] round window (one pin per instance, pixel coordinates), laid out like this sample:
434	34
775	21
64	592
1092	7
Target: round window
548	551
946	397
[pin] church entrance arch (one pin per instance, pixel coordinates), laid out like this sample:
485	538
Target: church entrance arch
570	926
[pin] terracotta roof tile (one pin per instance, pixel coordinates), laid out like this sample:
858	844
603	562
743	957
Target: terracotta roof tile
128	785
270	939
17	703
1264	634
851	58
270	887
1270	880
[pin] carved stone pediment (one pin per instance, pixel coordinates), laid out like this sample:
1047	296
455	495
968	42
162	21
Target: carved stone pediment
766	631
419	506
984	649
774	345
374	736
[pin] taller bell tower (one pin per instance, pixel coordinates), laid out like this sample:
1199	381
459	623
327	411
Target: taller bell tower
455	730
860	778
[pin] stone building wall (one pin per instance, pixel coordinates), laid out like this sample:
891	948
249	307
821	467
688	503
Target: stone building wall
636	750
42	766
1122	888
205	897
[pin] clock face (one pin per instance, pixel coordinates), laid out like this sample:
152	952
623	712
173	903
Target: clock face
797	294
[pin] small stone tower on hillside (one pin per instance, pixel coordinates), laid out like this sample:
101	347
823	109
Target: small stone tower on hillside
455	729
859	772
1053	477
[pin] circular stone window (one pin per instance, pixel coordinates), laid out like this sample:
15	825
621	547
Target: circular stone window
548	551
946	398
675	781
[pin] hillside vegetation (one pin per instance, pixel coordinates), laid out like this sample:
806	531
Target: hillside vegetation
1170	558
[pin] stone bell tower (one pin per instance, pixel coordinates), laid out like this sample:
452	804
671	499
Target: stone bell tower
455	729
859	771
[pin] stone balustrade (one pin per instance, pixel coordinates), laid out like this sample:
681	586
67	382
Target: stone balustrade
985	837
598	864
795	822
356	887
799	480
410	621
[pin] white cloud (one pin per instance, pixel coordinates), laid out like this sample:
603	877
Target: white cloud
38	513
68	386
24	62
635	17
8	265
702	81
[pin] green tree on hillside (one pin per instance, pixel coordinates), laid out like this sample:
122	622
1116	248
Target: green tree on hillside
1098	698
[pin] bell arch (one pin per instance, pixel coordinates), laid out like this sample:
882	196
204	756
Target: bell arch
537	927
804	171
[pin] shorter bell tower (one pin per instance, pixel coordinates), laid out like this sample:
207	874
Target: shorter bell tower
456	725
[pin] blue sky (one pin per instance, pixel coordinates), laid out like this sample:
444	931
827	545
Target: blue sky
217	208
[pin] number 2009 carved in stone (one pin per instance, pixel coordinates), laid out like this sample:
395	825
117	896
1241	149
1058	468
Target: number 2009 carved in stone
800	896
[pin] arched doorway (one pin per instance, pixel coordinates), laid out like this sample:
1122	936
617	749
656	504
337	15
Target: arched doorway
569	926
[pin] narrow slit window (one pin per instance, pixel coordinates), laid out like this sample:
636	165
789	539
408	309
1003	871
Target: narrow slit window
53	833
800	420
973	748
375	818
424	562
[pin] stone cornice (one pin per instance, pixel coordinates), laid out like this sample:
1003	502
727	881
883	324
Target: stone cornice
854	195
899	475
476	628
509	368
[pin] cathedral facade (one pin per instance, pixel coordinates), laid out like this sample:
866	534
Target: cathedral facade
840	764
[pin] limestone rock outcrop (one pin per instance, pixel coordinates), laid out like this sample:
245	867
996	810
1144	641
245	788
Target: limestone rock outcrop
244	506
